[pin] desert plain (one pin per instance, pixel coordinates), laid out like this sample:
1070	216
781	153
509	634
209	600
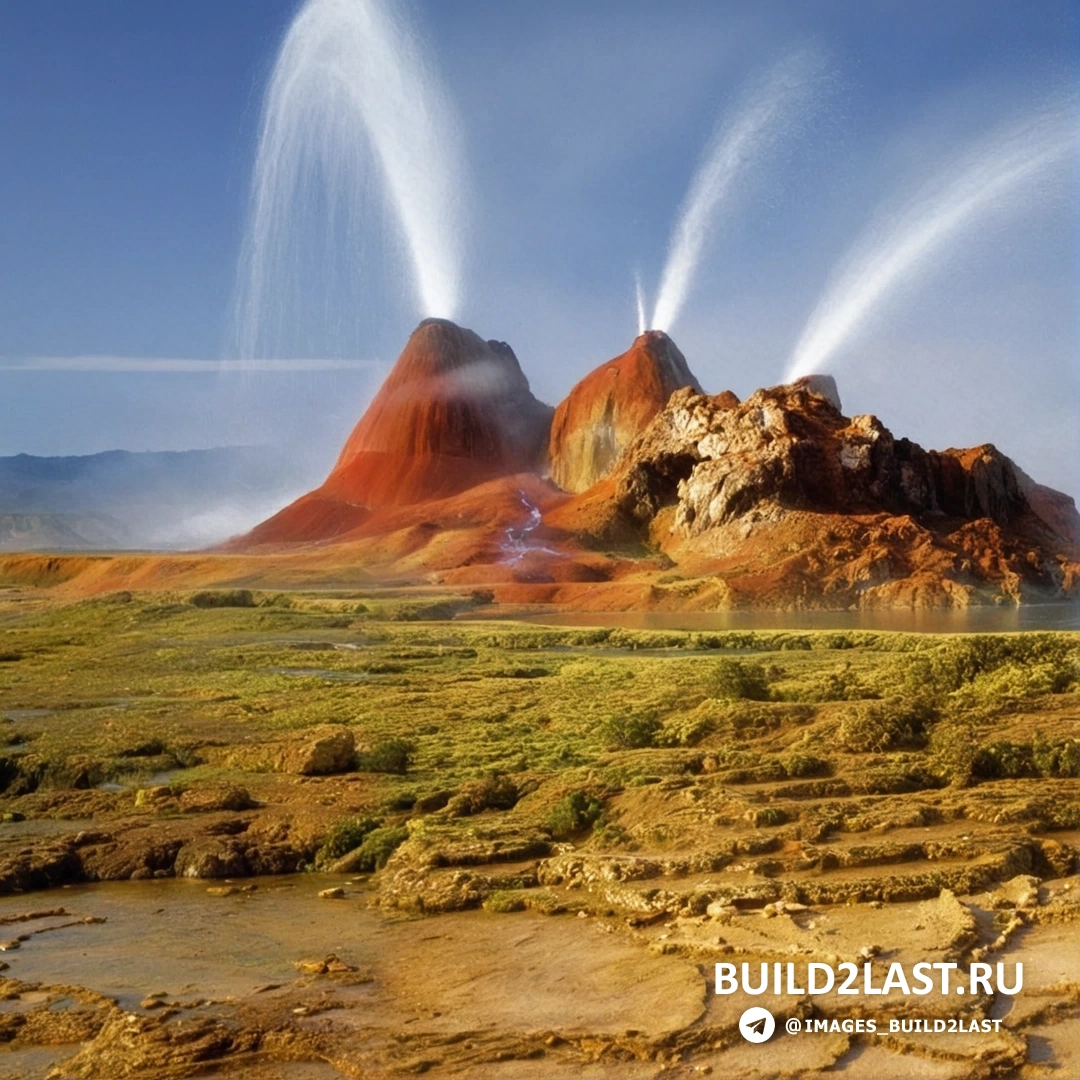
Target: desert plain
372	832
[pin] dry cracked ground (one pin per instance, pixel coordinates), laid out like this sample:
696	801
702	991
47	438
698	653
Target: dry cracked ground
318	835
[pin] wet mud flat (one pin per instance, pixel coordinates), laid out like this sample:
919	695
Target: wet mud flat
267	978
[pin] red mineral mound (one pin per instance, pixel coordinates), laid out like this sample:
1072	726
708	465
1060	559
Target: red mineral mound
667	498
613	404
455	411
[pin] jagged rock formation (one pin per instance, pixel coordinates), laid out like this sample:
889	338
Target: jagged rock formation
790	448
611	406
786	490
454	412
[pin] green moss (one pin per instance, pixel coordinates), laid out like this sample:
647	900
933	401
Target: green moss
345	836
372	843
630	731
379	845
504	901
231	598
1056	759
885	726
1005	760
769	817
544	902
573	814
737	680
493	792
390	756
799	764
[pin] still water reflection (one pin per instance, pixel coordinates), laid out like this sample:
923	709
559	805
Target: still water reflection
978	620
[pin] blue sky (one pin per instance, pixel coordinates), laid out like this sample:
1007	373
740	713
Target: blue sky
129	132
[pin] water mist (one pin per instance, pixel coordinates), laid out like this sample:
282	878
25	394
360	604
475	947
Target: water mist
768	116
358	168
987	179
639	300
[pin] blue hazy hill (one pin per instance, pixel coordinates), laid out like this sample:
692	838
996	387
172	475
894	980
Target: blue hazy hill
124	499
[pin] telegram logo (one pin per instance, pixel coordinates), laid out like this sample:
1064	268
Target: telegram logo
757	1025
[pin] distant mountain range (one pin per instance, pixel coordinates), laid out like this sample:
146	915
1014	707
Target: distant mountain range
120	499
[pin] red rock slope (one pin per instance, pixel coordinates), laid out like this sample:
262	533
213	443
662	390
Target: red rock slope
454	412
613	404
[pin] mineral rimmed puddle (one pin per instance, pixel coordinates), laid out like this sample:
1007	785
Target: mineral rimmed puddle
12	832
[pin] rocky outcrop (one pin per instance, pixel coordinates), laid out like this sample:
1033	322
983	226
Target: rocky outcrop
324	752
1055	510
803	500
790	448
611	406
210	858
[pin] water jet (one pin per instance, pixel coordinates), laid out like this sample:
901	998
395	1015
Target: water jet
982	181
358	150
766	118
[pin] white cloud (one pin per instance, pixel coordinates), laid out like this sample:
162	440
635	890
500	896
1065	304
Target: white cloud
178	365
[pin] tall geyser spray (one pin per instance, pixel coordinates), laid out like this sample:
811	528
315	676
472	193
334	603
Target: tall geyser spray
738	145
358	159
990	178
639	301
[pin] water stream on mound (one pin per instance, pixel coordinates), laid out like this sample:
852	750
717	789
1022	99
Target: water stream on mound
517	543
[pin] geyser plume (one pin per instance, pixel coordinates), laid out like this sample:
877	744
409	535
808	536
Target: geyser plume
766	118
985	180
354	124
639	300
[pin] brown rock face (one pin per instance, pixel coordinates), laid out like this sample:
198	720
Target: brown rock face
788	497
611	406
455	411
790	448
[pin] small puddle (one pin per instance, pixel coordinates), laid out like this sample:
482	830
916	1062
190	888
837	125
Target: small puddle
137	780
623	652
15	715
42	827
23	1061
